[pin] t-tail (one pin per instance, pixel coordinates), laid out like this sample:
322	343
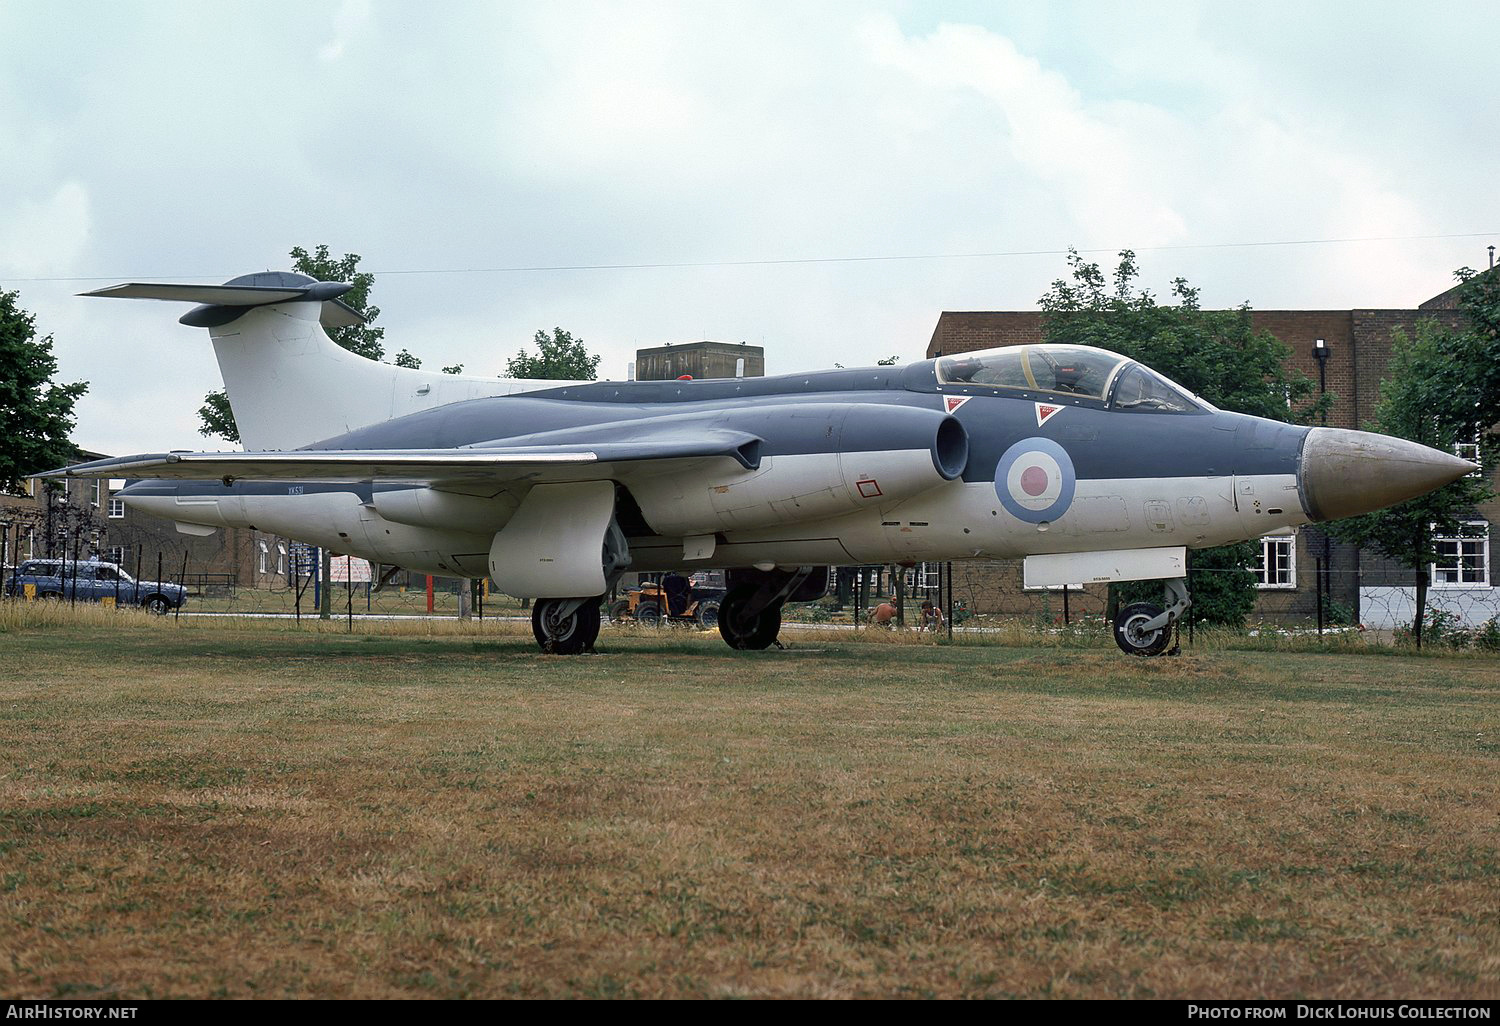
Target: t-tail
288	384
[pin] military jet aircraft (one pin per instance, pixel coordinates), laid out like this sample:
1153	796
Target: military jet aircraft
1089	466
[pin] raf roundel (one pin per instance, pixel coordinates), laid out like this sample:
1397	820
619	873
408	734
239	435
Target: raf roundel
1035	480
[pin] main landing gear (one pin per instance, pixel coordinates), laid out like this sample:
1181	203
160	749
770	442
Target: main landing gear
566	626
750	614
1145	629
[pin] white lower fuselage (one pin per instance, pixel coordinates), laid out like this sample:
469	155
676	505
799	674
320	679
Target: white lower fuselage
952	521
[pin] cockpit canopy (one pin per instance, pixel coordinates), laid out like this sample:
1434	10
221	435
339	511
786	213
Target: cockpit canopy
1064	370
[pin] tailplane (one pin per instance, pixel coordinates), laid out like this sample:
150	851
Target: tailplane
288	383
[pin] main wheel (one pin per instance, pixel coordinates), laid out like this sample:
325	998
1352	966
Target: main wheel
565	635
648	614
743	629
1135	641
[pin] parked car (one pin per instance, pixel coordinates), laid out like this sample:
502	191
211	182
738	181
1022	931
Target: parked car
92	581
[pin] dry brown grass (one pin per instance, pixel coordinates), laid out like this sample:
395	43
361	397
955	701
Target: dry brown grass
244	809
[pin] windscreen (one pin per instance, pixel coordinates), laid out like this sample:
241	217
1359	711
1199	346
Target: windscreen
1066	370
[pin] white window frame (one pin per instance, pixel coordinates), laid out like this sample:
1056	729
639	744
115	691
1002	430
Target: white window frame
265	553
1470	450
1265	565
1477	534
116	508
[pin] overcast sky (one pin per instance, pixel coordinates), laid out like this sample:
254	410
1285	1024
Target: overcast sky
453	144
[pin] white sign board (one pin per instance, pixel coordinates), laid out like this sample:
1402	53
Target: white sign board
349	570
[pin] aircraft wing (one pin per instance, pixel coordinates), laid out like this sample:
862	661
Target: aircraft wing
427	466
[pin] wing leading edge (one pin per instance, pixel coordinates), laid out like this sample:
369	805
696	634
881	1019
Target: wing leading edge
499	463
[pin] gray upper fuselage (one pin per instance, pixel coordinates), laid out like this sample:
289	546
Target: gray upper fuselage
1104	443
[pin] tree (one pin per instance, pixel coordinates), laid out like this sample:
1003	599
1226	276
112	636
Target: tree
215	415
1214	353
1435	394
36	413
559	357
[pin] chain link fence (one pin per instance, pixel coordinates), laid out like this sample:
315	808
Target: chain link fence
972	597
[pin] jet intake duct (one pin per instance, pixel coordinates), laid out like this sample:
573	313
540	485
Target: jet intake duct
558	542
819	460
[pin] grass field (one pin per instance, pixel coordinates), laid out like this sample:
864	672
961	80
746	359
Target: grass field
201	809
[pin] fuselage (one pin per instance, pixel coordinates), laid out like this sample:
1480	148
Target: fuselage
1043	470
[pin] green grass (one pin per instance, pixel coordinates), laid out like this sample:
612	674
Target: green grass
252	809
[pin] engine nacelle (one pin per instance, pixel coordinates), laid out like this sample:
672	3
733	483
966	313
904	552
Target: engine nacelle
430	507
830	460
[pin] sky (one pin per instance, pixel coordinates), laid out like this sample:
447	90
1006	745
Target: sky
819	178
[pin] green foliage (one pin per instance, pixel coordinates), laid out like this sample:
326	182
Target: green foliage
889	361
456	368
559	357
1216	354
360	339
36	413
405	359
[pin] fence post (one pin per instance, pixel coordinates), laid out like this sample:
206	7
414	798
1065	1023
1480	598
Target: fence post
1320	596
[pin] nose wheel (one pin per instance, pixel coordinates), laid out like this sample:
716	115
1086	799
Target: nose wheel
1132	634
1145	629
566	626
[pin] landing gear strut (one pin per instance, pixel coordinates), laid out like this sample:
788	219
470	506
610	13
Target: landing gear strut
1145	629
746	621
566	626
750	614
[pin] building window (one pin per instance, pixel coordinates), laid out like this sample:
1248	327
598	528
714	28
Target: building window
1277	566
116	509
261	563
1470	450
115	554
1463	560
98	492
281	558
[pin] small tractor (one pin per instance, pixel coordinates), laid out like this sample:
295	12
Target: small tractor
675	599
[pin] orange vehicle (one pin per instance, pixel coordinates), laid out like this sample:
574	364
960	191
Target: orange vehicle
675	599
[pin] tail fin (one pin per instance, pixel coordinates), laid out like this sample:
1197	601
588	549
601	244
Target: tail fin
288	383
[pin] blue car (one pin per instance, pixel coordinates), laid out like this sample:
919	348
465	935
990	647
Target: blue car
92	581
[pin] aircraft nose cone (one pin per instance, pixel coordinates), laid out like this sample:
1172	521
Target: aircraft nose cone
1344	473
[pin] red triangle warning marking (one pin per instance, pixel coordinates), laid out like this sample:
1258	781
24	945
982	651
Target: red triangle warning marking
1045	411
953	402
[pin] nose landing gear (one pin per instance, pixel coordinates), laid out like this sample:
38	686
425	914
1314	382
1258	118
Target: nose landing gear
1145	629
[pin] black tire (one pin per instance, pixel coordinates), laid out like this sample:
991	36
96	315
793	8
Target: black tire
1131	639
744	630
619	609
565	635
648	614
157	605
708	615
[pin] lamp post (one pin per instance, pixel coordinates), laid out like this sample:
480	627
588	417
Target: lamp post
1320	353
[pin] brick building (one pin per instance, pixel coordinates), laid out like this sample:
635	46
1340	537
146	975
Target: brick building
701	360
78	517
1356	347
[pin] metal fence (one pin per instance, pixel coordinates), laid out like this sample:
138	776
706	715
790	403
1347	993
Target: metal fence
971	596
